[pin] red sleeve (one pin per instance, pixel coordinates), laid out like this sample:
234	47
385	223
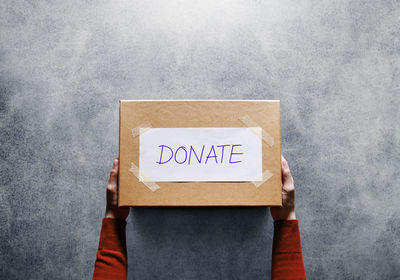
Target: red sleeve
111	259
287	259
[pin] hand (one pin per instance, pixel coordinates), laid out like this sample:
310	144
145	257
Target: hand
112	209
286	211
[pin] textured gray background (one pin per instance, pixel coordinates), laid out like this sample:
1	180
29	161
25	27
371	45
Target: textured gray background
333	64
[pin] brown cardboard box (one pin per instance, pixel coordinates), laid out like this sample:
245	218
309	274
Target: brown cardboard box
199	114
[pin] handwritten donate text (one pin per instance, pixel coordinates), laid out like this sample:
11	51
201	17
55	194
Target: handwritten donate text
210	154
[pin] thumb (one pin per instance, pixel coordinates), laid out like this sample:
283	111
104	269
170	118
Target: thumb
112	180
286	175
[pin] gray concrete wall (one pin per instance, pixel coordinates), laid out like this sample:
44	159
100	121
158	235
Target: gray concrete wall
333	64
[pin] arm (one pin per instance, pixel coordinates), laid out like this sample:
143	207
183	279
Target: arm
287	259
111	258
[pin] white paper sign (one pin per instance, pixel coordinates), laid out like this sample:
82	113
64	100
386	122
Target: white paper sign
200	154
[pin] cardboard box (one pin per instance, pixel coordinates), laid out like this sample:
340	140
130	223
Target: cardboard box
261	116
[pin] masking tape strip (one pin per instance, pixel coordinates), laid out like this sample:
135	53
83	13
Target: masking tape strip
251	124
146	181
265	177
140	129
